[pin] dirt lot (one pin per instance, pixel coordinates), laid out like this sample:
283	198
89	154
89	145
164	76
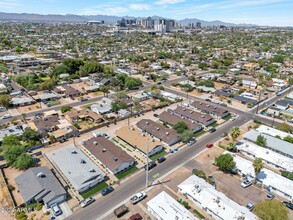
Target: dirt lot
28	108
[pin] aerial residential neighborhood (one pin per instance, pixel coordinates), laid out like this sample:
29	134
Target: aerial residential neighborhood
139	117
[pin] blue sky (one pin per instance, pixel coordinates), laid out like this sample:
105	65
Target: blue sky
262	12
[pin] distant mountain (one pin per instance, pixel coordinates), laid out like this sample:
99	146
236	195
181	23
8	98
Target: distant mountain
109	19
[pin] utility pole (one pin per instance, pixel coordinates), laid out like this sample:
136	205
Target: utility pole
147	169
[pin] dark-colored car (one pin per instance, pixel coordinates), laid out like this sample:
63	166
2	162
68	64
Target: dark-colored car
161	159
156	115
136	216
107	190
212	130
288	204
151	165
83	99
121	210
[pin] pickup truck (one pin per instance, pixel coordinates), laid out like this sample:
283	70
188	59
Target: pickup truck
138	197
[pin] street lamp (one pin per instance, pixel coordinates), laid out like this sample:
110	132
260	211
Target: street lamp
147	169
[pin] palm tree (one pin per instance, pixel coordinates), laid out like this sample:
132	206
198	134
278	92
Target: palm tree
234	132
258	165
104	89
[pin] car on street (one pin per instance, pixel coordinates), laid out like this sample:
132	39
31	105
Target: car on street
191	142
288	204
105	135
136	216
151	165
212	130
161	159
270	195
156	115
87	201
121	210
232	119
6	116
209	145
56	209
246	183
138	197
107	190
250	206
83	99
223	135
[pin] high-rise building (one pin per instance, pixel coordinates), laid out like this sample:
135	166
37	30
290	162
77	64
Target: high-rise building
163	25
198	24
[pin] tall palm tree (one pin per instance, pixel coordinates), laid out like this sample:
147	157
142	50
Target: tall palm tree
234	132
258	165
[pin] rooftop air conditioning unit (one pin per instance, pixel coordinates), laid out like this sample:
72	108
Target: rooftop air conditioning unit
184	109
158	129
147	122
92	170
190	112
82	161
115	158
143	134
74	152
104	150
95	143
41	175
167	133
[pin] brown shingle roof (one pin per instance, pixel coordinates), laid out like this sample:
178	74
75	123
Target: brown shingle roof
158	130
107	152
199	117
210	109
173	119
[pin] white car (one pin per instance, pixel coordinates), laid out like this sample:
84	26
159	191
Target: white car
246	183
86	202
6	116
138	197
232	119
56	209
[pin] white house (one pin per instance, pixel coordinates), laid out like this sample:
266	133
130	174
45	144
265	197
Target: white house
272	131
164	207
123	113
249	83
215	203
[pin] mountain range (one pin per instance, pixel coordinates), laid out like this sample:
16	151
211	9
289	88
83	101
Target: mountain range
108	19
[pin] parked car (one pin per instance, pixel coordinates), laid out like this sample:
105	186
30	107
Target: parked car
151	165
6	116
288	204
105	135
156	115
87	201
136	216
209	145
161	159
107	190
191	142
246	183
56	209
232	119
234	171
121	210
138	197
212	130
250	206
83	99
270	195
223	135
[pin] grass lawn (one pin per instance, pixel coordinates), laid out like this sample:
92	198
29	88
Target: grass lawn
226	118
215	124
52	103
199	133
94	190
158	155
126	172
198	214
88	106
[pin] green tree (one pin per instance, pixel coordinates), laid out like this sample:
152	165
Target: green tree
271	210
288	139
225	162
104	89
234	132
202	65
257	165
180	127
131	82
121	95
117	105
9	140
284	127
207	83
186	135
230	146
65	108
23	162
12	152
261	141
5	100
30	135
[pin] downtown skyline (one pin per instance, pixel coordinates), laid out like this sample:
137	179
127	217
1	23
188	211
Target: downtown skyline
261	12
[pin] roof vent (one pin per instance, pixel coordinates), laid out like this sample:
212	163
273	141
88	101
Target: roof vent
82	161
208	105
95	143
115	158
158	129
132	128
167	133
215	107
104	150
184	109
41	175
74	152
202	116
147	122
